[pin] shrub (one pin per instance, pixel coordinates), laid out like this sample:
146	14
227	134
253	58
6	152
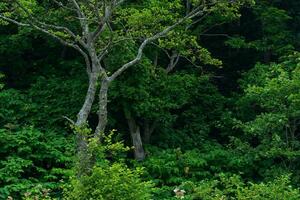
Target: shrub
29	157
110	178
232	187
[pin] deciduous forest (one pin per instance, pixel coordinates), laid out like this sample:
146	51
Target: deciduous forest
149	99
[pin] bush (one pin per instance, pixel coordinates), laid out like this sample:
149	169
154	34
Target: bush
232	187
115	182
29	158
110	178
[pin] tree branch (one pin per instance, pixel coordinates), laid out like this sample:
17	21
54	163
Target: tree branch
103	23
13	21
119	2
163	33
60	4
52	35
82	19
45	26
104	51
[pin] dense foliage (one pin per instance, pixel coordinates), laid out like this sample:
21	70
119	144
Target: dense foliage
212	108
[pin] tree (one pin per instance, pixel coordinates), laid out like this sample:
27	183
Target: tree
93	29
139	90
273	34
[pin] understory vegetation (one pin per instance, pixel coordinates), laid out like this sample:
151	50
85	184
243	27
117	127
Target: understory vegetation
149	100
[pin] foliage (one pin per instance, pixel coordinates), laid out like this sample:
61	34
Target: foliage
267	115
231	187
273	33
220	93
30	158
110	178
212	174
110	182
15	107
47	96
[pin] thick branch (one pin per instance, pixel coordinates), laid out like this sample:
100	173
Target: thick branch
84	112
149	40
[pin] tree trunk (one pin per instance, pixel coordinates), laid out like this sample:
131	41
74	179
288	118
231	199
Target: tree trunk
102	112
139	153
82	116
85	164
135	133
89	99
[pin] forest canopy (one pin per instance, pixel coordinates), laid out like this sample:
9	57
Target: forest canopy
152	99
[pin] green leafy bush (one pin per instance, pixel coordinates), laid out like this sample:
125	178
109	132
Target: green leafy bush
114	182
54	98
15	108
267	118
29	158
232	187
110	178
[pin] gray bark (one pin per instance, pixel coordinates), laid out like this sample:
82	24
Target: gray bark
89	99
102	112
85	163
139	153
135	133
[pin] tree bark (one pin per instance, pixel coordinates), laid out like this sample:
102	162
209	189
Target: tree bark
139	153
84	113
135	133
89	99
102	112
85	164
